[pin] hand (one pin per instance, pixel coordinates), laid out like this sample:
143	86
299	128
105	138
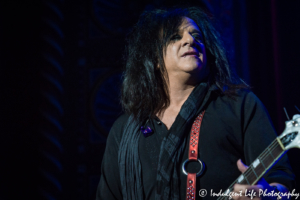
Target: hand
252	190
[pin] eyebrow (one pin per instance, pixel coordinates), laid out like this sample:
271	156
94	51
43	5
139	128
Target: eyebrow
194	30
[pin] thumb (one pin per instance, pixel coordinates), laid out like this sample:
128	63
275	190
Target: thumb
241	166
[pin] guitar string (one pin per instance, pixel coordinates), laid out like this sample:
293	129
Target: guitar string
271	147
265	153
262	156
230	188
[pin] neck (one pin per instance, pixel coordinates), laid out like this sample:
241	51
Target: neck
179	90
179	94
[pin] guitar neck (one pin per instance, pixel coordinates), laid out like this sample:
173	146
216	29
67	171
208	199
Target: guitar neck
259	167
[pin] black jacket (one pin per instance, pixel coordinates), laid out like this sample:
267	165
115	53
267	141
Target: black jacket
231	129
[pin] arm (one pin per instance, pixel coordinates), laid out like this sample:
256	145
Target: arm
109	187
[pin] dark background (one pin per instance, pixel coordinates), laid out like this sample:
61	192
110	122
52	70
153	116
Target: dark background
61	63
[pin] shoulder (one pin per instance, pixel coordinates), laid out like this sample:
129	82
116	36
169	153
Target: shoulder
253	111
248	95
117	128
120	121
250	101
244	97
245	101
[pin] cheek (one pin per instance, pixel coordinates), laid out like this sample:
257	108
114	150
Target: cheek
171	56
203	55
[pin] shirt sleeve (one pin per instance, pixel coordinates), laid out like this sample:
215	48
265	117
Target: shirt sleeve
259	133
109	187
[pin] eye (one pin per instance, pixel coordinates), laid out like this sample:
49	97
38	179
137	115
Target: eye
175	37
197	37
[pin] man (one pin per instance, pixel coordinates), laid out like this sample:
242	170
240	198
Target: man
176	69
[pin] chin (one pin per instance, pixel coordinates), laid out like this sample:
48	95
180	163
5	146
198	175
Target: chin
193	68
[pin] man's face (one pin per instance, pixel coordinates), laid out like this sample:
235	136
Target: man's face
186	52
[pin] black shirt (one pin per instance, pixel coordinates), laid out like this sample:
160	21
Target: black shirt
231	129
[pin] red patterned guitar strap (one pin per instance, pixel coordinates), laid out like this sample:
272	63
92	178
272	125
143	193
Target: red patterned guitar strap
193	156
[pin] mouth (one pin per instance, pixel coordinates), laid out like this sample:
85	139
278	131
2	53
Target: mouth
190	53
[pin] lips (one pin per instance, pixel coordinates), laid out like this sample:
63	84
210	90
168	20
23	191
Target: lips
190	53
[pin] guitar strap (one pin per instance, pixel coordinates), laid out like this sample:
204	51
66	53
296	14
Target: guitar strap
193	156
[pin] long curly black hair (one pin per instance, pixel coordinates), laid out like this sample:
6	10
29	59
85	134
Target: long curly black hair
145	86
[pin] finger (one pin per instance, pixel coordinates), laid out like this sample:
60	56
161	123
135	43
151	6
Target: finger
246	190
240	189
263	183
241	166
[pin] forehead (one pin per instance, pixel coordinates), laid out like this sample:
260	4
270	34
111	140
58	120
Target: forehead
188	24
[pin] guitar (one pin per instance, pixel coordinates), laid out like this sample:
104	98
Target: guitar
287	140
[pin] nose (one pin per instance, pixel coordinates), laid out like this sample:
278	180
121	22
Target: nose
188	39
